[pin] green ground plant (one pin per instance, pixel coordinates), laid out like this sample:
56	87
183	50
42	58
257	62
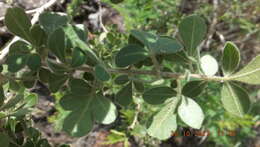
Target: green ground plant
151	76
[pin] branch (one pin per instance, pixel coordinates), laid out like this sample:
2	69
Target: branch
35	18
212	28
154	73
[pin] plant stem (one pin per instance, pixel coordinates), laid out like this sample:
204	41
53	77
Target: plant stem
154	73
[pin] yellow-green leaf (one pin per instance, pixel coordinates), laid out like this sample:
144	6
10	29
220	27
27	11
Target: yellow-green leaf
231	58
235	99
250	74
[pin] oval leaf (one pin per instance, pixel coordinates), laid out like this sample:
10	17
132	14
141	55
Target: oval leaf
73	35
16	62
231	58
31	100
38	35
79	87
103	110
79	121
125	96
122	79
146	38
18	23
52	21
56	67
158	95
163	123
56	43
191	113
250	73
78	57
19	47
166	45
209	65
72	102
101	73
130	54
56	82
235	99
193	88
44	75
139	86
34	62
192	31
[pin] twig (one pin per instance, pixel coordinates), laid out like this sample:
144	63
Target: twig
100	17
212	27
154	73
35	18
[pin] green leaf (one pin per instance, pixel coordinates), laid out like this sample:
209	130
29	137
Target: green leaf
166	45
163	123
4	140
74	37
192	31
179	57
39	36
231	58
130	54
209	65
73	102
28	83
44	75
52	21
147	39
235	99
158	95
21	112
101	73
125	96
56	67
18	23
103	110
31	100
193	88
81	32
19	47
13	85
56	43
16	62
191	113
34	62
78	57
79	121
56	82
139	86
250	74
79	87
122	79
12	102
